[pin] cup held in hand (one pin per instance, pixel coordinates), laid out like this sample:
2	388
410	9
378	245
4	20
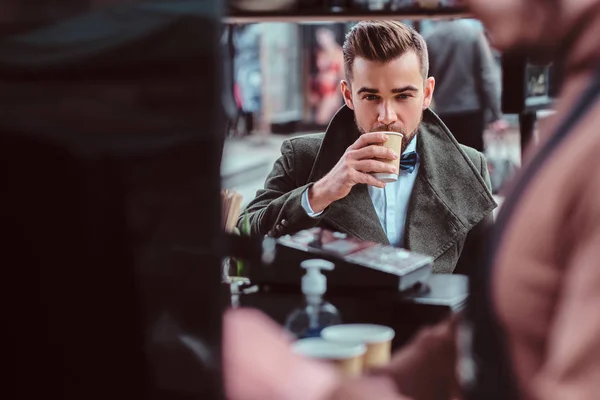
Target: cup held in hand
394	143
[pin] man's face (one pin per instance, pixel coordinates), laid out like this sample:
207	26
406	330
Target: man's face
388	96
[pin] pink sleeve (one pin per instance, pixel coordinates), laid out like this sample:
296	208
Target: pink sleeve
571	369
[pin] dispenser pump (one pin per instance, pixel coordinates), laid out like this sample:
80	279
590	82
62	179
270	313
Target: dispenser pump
314	283
315	314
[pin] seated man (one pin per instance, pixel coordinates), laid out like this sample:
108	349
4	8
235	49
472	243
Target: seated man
441	201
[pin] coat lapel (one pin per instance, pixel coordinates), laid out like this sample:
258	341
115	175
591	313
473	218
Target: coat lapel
355	213
362	221
431	227
449	196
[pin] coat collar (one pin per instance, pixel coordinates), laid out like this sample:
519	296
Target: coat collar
340	134
448	199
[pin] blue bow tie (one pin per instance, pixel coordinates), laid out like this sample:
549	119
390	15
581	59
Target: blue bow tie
408	162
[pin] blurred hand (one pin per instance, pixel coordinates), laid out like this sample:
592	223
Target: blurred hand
499	126
355	166
425	369
368	388
258	363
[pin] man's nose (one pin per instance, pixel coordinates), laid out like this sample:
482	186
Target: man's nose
387	115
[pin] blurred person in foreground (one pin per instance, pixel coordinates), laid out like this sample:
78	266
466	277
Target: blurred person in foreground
467	80
440	203
534	311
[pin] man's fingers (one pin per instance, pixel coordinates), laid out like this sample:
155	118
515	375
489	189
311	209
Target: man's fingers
374	151
374	166
370	180
368	138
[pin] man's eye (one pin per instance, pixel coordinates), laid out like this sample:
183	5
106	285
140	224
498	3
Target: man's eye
371	97
403	96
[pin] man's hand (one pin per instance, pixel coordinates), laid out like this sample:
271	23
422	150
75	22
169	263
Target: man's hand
258	362
356	166
425	369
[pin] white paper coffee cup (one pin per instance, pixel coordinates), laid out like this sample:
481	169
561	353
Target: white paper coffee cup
394	143
377	339
348	357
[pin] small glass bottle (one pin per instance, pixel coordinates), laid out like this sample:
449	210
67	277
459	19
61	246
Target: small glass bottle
315	314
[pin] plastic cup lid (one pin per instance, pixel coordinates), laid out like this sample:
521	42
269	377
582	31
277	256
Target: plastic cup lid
323	349
358	333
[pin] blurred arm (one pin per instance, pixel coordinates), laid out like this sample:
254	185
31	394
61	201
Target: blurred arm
571	367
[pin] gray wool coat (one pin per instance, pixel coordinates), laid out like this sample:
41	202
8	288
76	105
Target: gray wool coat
450	207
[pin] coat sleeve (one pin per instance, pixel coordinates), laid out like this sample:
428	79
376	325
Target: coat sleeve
277	209
474	243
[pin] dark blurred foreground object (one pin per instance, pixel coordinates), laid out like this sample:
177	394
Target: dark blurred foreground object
110	149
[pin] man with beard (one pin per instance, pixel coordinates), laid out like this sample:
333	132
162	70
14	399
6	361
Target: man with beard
441	201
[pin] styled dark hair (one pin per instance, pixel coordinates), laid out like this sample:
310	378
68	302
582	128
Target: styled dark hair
383	41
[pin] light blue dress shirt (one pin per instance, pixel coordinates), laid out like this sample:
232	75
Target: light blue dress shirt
390	203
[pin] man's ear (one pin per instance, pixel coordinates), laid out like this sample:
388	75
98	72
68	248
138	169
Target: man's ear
347	93
429	87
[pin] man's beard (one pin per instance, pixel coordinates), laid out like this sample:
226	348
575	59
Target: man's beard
407	137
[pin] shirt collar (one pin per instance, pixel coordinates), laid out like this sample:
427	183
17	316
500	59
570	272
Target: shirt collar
412	146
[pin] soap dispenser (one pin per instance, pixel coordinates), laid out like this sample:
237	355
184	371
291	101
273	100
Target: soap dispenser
315	314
